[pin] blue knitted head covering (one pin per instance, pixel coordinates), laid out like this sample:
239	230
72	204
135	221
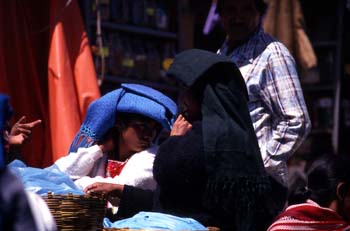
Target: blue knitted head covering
5	115
130	98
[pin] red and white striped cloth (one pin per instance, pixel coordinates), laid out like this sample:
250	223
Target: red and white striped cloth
309	216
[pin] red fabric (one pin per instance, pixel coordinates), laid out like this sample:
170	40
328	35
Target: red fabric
71	73
309	216
23	63
114	168
30	32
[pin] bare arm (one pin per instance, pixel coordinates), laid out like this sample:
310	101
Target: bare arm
105	188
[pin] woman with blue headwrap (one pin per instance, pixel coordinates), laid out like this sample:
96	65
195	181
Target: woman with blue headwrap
122	125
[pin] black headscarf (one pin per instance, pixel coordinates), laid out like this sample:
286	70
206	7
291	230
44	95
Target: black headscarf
236	175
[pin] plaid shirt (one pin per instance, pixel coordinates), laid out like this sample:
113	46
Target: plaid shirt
276	101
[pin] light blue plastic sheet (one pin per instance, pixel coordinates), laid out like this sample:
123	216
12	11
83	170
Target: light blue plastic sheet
42	181
155	221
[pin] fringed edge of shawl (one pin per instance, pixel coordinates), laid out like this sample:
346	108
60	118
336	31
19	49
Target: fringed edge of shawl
241	197
81	140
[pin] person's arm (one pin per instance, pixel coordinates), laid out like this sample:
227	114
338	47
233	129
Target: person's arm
181	126
80	163
290	119
19	135
132	199
110	189
21	131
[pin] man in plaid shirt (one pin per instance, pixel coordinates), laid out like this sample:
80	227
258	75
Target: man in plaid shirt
276	101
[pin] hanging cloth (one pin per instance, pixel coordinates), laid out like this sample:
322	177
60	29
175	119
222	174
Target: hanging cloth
284	20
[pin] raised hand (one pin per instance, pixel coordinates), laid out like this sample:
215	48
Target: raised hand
107	145
180	127
21	131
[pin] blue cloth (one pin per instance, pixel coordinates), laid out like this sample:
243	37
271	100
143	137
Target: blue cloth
5	115
36	180
42	181
156	221
130	98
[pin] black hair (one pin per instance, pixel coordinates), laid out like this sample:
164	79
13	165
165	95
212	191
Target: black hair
323	177
260	5
124	119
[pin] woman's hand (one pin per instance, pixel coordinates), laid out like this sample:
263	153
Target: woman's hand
105	188
107	145
21	131
180	127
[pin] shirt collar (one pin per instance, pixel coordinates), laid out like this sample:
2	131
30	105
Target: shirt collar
244	51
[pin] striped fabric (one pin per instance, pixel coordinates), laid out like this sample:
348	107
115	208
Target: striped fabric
276	101
309	216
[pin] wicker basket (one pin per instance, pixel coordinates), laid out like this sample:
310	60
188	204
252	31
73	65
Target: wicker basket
77	212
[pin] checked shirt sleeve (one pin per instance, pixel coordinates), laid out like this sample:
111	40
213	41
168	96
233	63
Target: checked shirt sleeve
290	119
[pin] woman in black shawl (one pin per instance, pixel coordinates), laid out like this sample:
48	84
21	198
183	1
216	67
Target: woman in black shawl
213	172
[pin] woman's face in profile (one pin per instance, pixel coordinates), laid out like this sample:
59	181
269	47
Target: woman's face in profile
189	106
139	134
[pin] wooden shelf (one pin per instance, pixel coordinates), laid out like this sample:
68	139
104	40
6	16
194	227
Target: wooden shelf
137	30
148	34
157	85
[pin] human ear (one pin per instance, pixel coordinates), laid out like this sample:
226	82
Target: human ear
341	190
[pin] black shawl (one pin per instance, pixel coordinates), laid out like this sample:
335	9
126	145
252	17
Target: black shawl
237	182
